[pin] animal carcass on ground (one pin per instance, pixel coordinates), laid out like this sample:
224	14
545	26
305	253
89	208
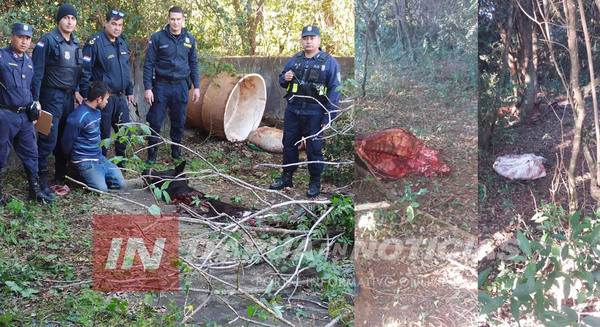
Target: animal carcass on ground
393	153
180	192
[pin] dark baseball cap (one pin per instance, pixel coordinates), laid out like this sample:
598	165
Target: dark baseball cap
310	31
22	29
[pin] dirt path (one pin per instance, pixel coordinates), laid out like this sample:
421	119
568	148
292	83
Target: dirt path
421	273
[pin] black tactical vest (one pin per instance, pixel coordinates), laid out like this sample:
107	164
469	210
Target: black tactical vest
308	79
63	68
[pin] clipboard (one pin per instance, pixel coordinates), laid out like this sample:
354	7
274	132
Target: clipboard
44	122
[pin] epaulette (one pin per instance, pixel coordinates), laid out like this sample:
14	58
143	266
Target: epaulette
93	40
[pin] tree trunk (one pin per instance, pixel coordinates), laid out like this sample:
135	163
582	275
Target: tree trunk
526	71
249	30
402	16
578	105
372	29
399	30
532	95
368	19
593	87
491	114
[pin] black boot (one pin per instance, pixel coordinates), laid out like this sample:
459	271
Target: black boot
35	194
314	186
284	181
151	155
44	187
60	171
175	151
2	199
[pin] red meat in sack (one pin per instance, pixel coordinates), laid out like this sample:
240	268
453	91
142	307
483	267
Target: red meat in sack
393	153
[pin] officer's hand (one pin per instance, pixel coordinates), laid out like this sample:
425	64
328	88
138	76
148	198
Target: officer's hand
289	75
78	98
130	98
149	96
195	95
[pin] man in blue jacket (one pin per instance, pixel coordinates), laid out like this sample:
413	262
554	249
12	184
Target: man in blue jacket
16	122
57	60
171	59
313	84
106	58
81	141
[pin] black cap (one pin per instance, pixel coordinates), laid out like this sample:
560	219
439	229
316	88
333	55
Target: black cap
22	29
310	30
64	10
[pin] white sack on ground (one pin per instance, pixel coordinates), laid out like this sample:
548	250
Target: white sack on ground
520	166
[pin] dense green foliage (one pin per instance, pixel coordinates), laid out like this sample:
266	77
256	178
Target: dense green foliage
225	27
439	33
557	262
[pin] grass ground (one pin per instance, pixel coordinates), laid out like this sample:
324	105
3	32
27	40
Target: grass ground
46	254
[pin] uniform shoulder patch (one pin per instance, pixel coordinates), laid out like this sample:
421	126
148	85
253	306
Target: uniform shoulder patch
87	58
40	44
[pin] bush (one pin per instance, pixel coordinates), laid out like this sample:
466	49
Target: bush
556	277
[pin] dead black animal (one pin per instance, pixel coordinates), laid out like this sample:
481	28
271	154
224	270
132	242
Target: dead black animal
180	192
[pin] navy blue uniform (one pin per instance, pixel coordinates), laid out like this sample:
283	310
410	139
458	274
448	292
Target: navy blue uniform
303	116
57	66
104	60
170	59
16	130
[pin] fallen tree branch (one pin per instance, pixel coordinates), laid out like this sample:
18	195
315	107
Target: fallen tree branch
304	250
85	186
89	281
336	163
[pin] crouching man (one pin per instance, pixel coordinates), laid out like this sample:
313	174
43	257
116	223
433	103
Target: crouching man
81	141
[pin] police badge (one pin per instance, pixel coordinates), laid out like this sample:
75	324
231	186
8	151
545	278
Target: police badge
67	55
187	40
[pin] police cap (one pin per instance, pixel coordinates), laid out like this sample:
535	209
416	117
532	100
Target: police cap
310	31
22	29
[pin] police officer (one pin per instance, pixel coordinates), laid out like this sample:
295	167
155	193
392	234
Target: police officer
18	112
57	60
172	59
309	76
106	58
